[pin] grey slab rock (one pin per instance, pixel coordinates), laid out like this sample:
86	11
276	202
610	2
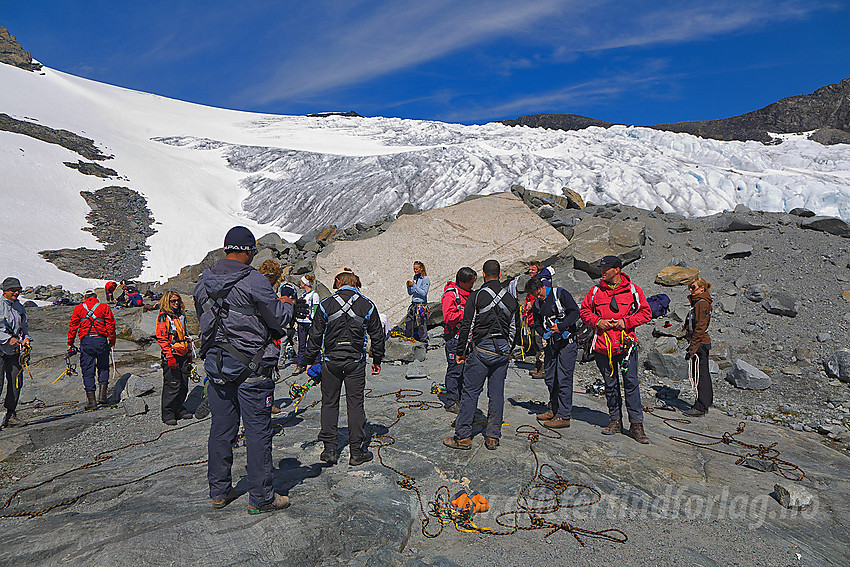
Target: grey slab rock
793	496
738	251
831	225
667	365
781	303
801	212
134	406
263	255
837	365
728	304
747	377
596	237
136	386
761	465
304	267
757	292
403	350
416	370
270	240
456	237
731	222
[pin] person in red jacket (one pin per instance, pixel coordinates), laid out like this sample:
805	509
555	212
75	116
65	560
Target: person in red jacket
173	339
110	291
615	307
93	322
454	300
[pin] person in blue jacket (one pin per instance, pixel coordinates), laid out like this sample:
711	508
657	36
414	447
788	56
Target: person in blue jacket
416	322
555	316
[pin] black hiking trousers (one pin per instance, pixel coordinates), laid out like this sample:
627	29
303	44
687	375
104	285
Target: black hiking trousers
699	368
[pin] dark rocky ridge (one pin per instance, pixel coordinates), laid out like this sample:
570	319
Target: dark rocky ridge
121	220
827	110
557	121
11	52
69	140
90	168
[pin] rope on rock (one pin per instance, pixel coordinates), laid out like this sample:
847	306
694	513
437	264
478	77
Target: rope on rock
98	460
530	511
762	452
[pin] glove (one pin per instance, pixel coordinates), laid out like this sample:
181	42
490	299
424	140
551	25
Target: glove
171	361
547	334
72	350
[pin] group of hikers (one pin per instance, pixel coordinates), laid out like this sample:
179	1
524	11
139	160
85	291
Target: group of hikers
244	321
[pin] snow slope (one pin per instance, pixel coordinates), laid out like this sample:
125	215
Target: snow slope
204	169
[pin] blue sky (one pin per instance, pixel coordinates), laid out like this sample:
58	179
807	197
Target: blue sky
637	62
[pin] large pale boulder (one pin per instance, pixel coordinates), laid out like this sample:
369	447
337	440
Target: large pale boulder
676	275
498	226
596	237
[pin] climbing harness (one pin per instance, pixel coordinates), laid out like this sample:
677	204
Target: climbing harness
70	368
760	451
24	359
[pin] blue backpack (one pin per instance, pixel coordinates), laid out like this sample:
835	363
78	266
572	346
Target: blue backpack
659	305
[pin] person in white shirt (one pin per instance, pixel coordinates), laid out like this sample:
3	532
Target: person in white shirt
305	309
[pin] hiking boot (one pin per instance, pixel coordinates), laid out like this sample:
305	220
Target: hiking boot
225	500
537	374
275	410
102	398
556	423
548	414
297	370
491	443
91	402
279	503
184	415
329	455
454	408
455	443
203	409
614	427
636	431
11	420
693	412
169	421
359	456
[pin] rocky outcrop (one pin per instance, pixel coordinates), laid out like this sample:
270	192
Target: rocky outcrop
444	240
121	220
69	140
826	110
11	52
89	168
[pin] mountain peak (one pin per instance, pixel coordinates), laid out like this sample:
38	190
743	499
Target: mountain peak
11	52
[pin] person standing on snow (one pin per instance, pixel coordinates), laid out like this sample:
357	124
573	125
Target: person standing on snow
615	307
94	323
454	299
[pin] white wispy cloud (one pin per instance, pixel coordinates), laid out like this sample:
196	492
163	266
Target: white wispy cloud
375	39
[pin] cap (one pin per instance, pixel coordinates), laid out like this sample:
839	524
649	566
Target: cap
11	283
610	262
239	239
89	292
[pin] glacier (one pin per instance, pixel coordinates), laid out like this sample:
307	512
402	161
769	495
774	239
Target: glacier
204	169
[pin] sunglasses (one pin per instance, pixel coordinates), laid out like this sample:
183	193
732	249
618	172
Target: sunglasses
614	307
174	301
693	287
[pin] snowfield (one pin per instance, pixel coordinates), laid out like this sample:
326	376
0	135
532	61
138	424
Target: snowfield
204	169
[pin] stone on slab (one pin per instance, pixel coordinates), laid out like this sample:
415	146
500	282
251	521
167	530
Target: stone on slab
832	225
596	237
667	365
738	251
416	370
757	292
403	350
747	377
137	386
134	406
731	222
761	465
781	303
676	275
793	496
837	365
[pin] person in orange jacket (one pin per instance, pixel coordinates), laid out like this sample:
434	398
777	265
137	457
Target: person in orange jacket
94	323
615	307
173	339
